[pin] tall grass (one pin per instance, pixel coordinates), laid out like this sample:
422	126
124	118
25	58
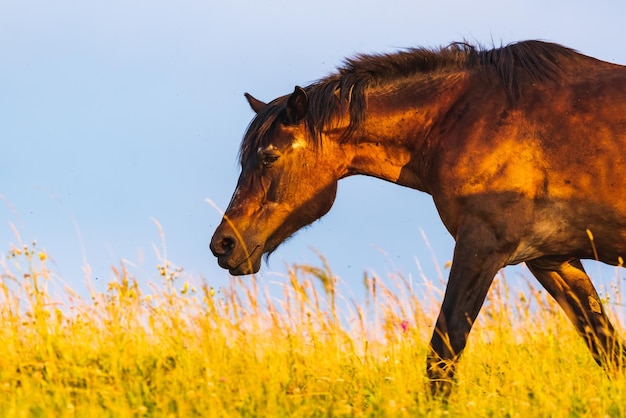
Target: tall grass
293	348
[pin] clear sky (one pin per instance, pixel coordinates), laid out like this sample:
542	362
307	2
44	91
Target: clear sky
115	113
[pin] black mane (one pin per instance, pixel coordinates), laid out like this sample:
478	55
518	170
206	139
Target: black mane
345	89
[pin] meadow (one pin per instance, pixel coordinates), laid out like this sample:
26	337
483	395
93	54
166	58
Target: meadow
282	348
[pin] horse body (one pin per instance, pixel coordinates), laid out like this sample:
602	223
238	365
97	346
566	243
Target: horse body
521	149
543	172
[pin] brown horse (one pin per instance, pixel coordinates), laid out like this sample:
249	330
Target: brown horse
521	147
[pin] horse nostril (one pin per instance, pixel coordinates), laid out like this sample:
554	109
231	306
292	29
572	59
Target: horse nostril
225	245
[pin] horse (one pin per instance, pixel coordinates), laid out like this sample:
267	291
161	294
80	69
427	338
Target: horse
520	146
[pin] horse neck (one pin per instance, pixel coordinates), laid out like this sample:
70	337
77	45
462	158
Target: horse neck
391	144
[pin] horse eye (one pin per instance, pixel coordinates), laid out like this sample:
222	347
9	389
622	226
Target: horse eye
269	159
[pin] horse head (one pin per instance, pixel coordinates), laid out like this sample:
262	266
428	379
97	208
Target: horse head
287	181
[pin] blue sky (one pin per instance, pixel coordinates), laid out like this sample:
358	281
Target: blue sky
116	113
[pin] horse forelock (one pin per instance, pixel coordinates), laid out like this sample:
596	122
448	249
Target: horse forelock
261	129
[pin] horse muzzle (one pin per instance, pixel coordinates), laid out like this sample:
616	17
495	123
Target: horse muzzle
234	255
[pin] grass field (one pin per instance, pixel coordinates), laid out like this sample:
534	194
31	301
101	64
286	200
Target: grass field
297	348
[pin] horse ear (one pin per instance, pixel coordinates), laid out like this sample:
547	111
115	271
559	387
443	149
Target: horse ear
297	105
255	104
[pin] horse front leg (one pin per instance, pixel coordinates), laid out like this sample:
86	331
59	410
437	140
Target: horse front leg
477	259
